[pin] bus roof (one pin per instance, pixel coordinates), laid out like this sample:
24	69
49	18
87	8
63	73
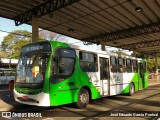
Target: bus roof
101	52
86	49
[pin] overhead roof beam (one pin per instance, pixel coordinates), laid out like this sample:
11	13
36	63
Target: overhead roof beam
42	9
128	33
141	45
151	52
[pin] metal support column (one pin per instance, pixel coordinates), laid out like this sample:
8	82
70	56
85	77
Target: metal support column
103	46
35	33
156	62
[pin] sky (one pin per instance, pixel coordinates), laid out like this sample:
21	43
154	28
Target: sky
8	25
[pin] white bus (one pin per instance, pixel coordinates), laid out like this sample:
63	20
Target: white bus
6	74
72	74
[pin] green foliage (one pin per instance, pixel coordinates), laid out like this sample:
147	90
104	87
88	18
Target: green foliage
3	54
150	60
138	55
48	35
12	43
120	53
152	64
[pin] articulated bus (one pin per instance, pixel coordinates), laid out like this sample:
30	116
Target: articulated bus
52	73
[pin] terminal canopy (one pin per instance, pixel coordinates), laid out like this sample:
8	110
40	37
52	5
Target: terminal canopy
8	63
127	24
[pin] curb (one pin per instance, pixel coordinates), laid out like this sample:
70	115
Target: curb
153	84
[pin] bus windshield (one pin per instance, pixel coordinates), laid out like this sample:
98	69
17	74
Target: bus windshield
31	68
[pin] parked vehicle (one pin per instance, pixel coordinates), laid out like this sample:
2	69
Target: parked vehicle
52	73
6	74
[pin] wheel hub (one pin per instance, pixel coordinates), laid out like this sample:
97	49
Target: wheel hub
83	98
132	89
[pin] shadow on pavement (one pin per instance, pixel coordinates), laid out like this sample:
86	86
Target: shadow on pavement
6	96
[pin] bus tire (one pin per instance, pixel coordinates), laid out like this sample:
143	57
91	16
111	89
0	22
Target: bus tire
131	89
83	98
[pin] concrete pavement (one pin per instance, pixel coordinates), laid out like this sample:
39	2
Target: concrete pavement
7	102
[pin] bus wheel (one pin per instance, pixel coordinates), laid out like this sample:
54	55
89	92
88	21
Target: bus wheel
83	98
131	89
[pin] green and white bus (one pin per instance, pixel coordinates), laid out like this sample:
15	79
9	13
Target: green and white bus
52	73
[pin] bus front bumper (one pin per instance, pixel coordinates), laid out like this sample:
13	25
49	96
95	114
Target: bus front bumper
41	99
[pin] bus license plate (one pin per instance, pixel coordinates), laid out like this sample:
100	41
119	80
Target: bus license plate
25	98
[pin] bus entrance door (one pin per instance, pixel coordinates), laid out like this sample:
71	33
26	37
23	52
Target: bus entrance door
104	76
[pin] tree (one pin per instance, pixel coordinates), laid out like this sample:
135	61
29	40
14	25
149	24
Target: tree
151	63
12	43
138	55
120	53
48	35
150	60
3	54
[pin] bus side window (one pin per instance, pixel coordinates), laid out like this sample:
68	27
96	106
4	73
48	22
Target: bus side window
135	66
88	61
121	65
129	65
63	64
113	64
